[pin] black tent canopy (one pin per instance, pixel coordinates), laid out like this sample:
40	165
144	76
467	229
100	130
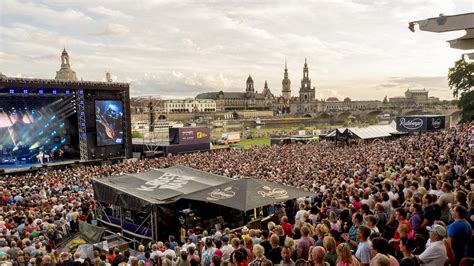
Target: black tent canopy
247	193
156	191
157	186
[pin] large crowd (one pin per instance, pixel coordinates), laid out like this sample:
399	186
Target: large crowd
407	201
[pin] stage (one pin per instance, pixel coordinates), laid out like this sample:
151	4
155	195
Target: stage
30	167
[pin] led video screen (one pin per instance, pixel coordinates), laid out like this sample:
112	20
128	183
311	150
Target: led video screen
29	127
109	122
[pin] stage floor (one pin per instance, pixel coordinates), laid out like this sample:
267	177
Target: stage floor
13	168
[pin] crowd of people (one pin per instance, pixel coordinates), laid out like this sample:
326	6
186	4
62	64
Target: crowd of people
407	201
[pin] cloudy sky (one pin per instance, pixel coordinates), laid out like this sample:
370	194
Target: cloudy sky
356	48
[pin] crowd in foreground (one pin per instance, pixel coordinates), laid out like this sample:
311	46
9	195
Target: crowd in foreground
408	201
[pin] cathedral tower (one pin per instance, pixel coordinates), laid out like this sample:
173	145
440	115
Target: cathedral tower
307	94
249	90
286	85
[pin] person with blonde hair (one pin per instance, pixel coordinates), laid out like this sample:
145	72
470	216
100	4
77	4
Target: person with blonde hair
329	244
259	251
321	231
345	257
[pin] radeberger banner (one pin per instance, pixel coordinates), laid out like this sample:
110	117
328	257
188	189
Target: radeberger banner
420	123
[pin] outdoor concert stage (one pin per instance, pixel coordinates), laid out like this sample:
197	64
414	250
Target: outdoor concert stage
53	122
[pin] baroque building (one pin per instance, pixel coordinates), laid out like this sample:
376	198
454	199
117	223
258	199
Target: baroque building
250	99
65	72
413	97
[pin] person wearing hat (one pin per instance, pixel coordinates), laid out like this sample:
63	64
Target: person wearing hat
226	248
435	254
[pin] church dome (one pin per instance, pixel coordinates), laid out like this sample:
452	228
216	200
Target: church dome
347	99
332	99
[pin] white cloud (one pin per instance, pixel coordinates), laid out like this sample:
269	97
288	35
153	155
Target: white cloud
107	12
41	12
113	29
184	48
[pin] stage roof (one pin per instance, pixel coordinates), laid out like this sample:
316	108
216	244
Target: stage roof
157	186
160	186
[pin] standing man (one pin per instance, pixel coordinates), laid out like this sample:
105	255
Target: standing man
363	253
435	254
444	201
459	233
351	238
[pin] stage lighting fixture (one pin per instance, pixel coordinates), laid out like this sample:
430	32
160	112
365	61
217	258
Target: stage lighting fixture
12	91
25	91
41	91
68	92
55	92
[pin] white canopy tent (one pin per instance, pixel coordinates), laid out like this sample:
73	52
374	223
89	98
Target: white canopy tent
370	132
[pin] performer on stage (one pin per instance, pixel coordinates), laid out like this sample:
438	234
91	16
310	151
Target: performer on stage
40	157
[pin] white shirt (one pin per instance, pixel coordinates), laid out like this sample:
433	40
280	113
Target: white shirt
434	255
300	215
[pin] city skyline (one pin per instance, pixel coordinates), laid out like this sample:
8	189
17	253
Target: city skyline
357	49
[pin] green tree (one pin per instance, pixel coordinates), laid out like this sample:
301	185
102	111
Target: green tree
461	80
466	103
461	77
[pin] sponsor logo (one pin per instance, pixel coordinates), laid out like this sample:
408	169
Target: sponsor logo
218	194
411	124
201	135
276	193
436	122
166	181
188	133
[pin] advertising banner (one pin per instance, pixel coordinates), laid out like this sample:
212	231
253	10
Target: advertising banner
420	123
436	122
189	135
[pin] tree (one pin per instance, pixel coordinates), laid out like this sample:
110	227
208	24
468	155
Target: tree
461	80
461	77
466	103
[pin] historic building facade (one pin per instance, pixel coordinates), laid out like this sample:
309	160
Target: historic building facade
250	99
189	105
413	97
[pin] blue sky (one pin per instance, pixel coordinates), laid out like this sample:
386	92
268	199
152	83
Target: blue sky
360	49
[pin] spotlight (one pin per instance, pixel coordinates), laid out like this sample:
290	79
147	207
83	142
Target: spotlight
41	91
12	91
68	92
25	91
55	92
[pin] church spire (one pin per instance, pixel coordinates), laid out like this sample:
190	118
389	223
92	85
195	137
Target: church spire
286	84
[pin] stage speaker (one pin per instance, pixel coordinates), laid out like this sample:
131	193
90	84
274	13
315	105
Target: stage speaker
2	171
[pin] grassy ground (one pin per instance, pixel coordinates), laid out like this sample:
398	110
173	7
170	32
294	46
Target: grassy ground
255	142
246	143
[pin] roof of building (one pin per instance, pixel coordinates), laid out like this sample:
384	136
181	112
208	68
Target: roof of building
55	82
227	95
332	99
